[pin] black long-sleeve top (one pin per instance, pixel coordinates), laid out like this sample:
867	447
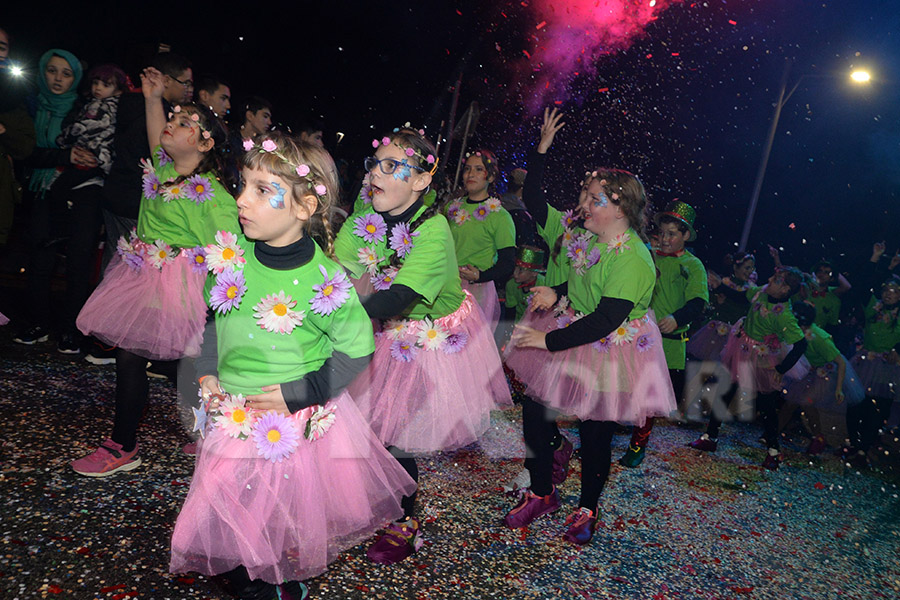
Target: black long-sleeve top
316	387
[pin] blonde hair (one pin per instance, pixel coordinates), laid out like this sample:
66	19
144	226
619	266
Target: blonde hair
284	160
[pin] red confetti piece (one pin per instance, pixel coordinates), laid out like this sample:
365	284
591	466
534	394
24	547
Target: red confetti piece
676	54
742	590
792	226
54	589
603	90
125	595
458	12
541	25
649	56
730	22
362	588
83	550
819	486
112	588
187	580
725	537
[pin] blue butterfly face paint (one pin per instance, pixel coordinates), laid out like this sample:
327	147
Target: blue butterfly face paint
277	200
402	171
602	200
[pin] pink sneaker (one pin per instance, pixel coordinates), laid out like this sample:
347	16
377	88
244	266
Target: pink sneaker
561	458
531	507
705	443
109	458
582	524
397	542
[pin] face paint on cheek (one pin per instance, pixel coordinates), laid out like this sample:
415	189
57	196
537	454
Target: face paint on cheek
277	201
402	172
603	200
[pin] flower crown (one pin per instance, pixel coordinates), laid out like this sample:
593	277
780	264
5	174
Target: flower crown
487	159
591	175
206	133
302	170
409	151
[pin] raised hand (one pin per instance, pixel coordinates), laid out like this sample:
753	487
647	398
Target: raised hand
549	128
152	83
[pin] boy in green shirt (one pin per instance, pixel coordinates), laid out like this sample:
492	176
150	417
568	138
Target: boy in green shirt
679	297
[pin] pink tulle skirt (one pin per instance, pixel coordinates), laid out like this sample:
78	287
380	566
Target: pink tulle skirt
752	362
880	378
3	319
155	313
287	520
621	378
485	295
708	342
819	386
427	399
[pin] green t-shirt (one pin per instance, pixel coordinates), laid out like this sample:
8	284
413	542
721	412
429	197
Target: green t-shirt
828	306
185	217
820	349
558	267
770	318
622	269
882	331
517	297
679	279
250	356
479	231
429	268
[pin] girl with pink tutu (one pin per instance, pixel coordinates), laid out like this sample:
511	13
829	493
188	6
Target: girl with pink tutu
150	303
878	362
605	363
289	474
830	386
484	234
708	341
436	374
761	348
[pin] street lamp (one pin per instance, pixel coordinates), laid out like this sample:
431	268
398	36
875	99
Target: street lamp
858	76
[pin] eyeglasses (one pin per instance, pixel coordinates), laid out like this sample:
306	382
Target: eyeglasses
388	165
188	83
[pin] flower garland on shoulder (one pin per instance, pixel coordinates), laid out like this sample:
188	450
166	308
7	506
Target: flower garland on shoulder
372	228
459	215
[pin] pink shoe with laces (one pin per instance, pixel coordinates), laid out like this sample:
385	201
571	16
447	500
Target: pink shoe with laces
107	460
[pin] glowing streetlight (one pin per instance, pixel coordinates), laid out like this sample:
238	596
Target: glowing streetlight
16	71
860	76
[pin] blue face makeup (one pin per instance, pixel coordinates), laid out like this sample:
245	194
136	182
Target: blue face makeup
277	200
402	171
602	200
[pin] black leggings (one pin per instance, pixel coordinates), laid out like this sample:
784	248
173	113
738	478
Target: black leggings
865	419
248	589
542	438
408	462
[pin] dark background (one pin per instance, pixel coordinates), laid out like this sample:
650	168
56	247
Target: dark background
686	105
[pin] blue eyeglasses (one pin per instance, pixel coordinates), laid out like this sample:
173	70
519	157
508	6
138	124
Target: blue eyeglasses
388	165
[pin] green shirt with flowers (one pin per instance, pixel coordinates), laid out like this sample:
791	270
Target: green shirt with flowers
479	230
428	266
882	331
558	223
184	215
820	348
767	317
278	333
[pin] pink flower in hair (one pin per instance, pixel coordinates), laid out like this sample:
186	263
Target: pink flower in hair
321	190
269	146
430	159
375	143
385	140
177	108
302	170
410	152
248	145
195	118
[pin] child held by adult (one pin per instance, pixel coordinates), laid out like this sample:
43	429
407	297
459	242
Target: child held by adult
605	363
154	286
289	474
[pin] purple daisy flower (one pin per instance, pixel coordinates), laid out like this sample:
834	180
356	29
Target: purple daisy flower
481	212
384	279
594	257
332	293
577	251
644	343
370	227
227	293
401	239
563	321
778	309
197	256
455	342
162	157
150	185
453	210
367	193
275	436
135	260
567	219
199	189
601	345
403	351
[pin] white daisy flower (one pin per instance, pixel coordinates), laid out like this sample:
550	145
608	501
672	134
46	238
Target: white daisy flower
160	253
225	253
275	313
233	417
623	334
431	335
369	259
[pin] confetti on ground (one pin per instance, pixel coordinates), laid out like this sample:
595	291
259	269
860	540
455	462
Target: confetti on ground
684	525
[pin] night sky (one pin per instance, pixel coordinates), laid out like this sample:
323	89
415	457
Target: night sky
680	93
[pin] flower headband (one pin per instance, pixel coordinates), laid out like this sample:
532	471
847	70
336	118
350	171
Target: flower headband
195	118
486	159
409	151
590	175
302	170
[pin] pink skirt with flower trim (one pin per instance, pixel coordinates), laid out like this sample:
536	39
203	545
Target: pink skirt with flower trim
485	295
752	362
154	313
428	400
287	520
625	382
819	386
708	342
880	377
